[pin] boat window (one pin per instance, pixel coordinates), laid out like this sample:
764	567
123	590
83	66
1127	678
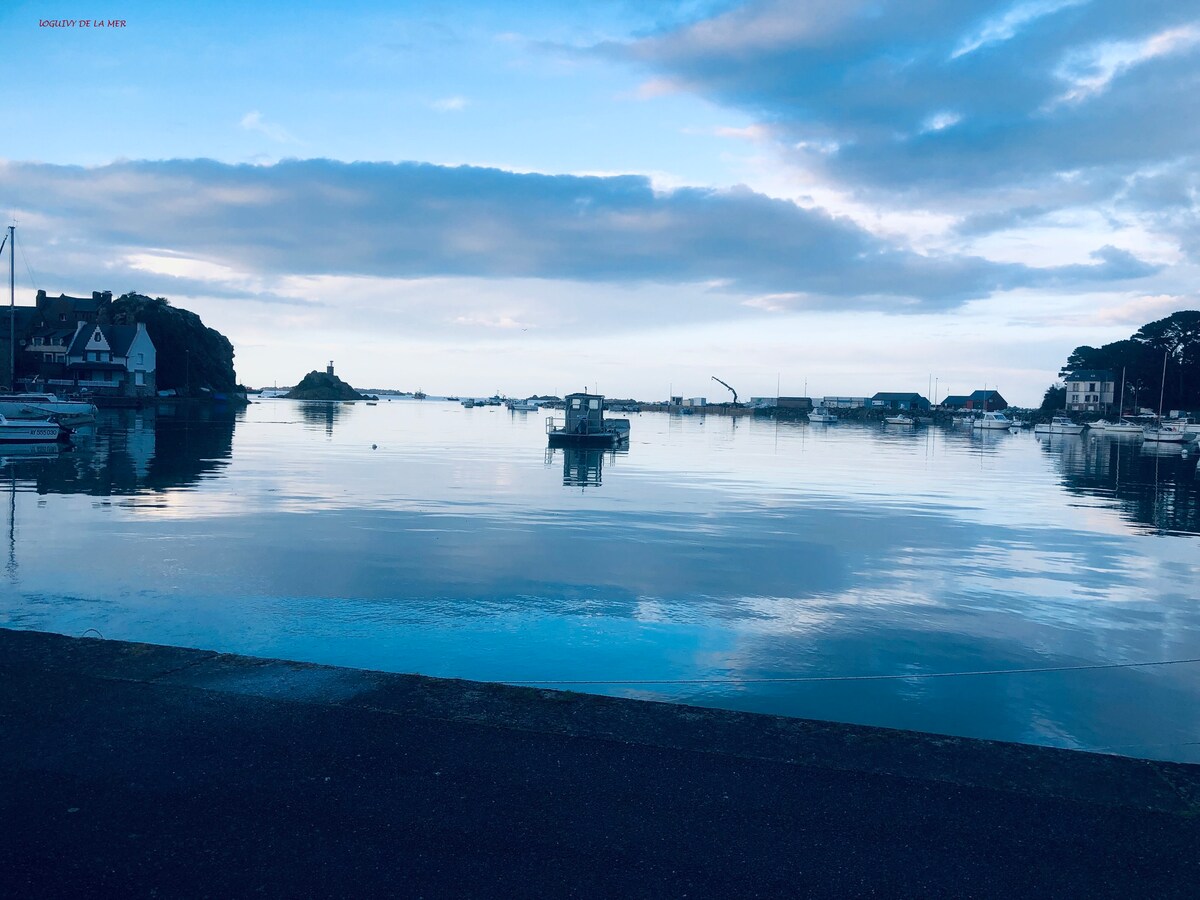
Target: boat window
594	404
575	403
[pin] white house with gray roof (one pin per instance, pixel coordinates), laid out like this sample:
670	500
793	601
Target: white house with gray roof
1090	390
117	360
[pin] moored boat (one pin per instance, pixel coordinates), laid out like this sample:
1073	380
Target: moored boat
820	415
993	421
521	405
584	425
1059	425
899	420
30	431
44	406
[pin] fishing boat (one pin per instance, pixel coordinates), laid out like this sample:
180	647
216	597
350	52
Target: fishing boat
467	402
820	415
899	420
584	425
1059	425
993	421
30	431
521	405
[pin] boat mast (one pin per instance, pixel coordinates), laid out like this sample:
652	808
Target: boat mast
1162	388
12	309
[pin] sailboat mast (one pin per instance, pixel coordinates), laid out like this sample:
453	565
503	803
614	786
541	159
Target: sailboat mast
1121	408
1162	388
12	308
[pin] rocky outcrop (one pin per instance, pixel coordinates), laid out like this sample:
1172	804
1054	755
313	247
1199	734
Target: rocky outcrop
323	386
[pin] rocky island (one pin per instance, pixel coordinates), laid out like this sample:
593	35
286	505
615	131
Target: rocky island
323	386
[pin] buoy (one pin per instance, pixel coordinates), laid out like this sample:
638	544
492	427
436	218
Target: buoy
374	446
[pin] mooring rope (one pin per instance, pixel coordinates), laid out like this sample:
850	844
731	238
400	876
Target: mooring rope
815	678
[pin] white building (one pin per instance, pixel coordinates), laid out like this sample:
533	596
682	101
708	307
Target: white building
1090	390
113	359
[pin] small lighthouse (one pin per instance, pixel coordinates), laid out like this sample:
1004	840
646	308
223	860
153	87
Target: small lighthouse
329	369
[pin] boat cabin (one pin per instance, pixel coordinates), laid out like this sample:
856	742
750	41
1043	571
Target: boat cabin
583	424
584	414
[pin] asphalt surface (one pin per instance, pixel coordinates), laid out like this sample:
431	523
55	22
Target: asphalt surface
132	770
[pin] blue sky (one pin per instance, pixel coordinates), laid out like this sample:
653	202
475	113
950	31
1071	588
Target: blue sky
466	197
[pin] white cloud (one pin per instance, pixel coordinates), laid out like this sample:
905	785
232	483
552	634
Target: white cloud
450	104
1007	25
941	120
254	121
1090	71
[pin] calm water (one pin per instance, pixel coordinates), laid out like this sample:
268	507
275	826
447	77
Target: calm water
715	549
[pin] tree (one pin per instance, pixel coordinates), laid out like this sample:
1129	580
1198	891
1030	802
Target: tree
190	355
1055	398
1140	357
1178	337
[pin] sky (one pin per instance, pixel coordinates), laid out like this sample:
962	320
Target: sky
821	197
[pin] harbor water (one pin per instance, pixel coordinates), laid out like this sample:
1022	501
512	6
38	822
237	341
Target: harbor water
988	585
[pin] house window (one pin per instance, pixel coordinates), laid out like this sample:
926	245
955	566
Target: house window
1092	386
141	358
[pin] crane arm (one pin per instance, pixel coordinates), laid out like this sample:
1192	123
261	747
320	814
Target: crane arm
731	390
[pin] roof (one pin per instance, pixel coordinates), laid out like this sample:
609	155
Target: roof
891	395
119	338
956	398
90	304
984	395
569	396
1092	375
22	322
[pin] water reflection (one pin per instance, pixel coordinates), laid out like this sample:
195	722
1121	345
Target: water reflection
580	467
428	537
1154	485
322	415
128	451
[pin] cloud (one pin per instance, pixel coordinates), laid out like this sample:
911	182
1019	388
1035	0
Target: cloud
1091	70
1006	25
951	105
253	121
237	223
450	104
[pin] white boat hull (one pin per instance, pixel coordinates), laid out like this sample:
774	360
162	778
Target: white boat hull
29	432
1164	436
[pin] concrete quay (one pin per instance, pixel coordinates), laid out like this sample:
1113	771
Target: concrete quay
135	770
